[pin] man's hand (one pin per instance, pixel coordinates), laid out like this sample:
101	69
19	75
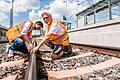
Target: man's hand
34	49
30	47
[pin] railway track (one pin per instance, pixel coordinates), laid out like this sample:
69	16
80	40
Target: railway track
11	68
85	64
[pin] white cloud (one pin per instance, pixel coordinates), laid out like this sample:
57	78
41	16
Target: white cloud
19	6
24	5
33	16
58	9
4	6
95	1
3	17
9	0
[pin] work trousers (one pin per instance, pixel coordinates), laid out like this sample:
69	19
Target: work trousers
19	45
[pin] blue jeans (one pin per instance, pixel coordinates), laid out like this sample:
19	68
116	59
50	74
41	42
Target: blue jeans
19	45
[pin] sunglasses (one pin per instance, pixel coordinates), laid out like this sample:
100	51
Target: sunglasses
45	18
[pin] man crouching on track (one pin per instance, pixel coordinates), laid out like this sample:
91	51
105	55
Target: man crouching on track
56	37
19	34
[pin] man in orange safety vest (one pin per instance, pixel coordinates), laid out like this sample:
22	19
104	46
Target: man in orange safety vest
19	34
56	37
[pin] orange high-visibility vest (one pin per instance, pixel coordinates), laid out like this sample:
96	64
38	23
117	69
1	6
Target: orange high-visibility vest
15	32
29	32
62	39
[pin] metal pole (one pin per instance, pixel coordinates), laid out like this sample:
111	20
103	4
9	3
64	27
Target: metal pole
11	15
109	6
66	16
85	19
77	10
94	15
66	13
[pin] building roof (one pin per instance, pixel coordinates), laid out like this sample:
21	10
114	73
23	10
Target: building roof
3	27
97	6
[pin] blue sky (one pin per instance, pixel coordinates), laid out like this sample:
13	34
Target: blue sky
32	9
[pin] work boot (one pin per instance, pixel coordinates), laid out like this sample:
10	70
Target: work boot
11	52
7	48
68	51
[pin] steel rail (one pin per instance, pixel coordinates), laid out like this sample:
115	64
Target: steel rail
31	73
101	50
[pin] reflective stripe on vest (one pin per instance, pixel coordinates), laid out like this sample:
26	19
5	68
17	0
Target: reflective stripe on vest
58	37
21	26
62	39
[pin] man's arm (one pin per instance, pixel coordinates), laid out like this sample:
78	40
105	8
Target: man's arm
27	39
24	32
46	38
